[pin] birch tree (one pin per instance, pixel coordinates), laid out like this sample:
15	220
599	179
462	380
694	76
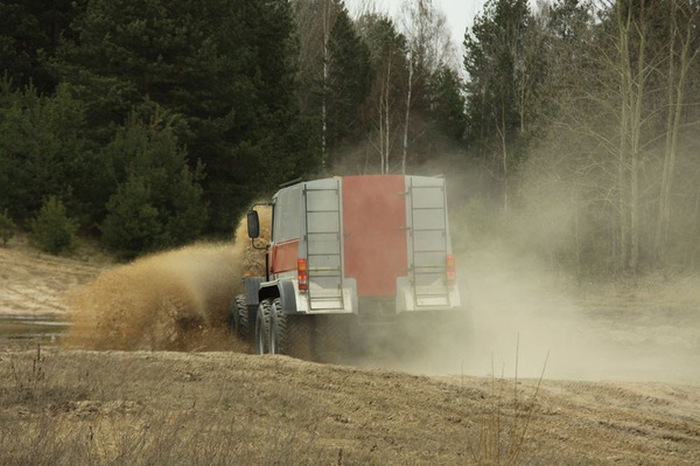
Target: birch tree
428	48
387	52
315	20
623	110
493	62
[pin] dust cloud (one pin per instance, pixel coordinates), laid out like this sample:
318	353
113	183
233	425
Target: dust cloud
525	315
521	320
176	300
526	321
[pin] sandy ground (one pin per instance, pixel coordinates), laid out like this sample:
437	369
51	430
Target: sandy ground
621	384
33	284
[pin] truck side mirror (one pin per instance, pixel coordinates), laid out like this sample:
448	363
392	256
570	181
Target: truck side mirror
253	224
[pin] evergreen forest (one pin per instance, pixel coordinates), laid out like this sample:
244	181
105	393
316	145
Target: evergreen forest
569	127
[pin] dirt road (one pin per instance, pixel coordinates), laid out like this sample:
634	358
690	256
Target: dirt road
621	386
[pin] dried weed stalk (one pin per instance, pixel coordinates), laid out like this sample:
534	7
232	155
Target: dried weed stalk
503	431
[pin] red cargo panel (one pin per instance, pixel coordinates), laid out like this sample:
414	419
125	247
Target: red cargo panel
374	221
284	256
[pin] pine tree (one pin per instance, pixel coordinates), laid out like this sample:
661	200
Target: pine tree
158	204
386	103
225	68
447	103
52	230
349	84
495	62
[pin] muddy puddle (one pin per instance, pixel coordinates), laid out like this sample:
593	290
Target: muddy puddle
44	329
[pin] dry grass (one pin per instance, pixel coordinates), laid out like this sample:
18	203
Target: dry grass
139	411
503	431
61	406
57	414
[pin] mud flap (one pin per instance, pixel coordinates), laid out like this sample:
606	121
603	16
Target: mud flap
430	336
331	338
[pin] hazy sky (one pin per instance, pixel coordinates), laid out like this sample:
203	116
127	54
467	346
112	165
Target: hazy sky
460	13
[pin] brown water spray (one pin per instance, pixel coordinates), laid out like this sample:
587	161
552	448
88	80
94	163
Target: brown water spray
176	300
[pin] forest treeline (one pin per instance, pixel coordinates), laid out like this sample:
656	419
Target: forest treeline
571	125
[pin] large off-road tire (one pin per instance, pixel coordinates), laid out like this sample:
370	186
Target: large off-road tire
291	334
239	317
262	327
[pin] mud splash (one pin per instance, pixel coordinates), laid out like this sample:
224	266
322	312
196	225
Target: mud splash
177	300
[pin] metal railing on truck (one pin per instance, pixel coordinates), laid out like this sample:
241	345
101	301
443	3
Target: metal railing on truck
428	244
323	227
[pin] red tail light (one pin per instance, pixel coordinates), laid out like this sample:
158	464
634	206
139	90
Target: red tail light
303	274
451	272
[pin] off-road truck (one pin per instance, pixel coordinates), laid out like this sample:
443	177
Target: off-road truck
349	252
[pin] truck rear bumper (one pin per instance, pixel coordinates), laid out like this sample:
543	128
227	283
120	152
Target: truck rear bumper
411	298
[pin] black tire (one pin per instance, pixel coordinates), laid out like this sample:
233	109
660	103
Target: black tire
262	327
232	316
278	328
239	318
291	334
242	319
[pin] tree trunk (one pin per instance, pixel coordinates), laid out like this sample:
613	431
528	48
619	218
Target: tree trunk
664	187
501	127
407	115
632	88
677	77
696	223
638	95
385	120
623	150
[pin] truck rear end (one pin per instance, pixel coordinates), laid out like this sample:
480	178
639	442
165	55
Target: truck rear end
375	247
